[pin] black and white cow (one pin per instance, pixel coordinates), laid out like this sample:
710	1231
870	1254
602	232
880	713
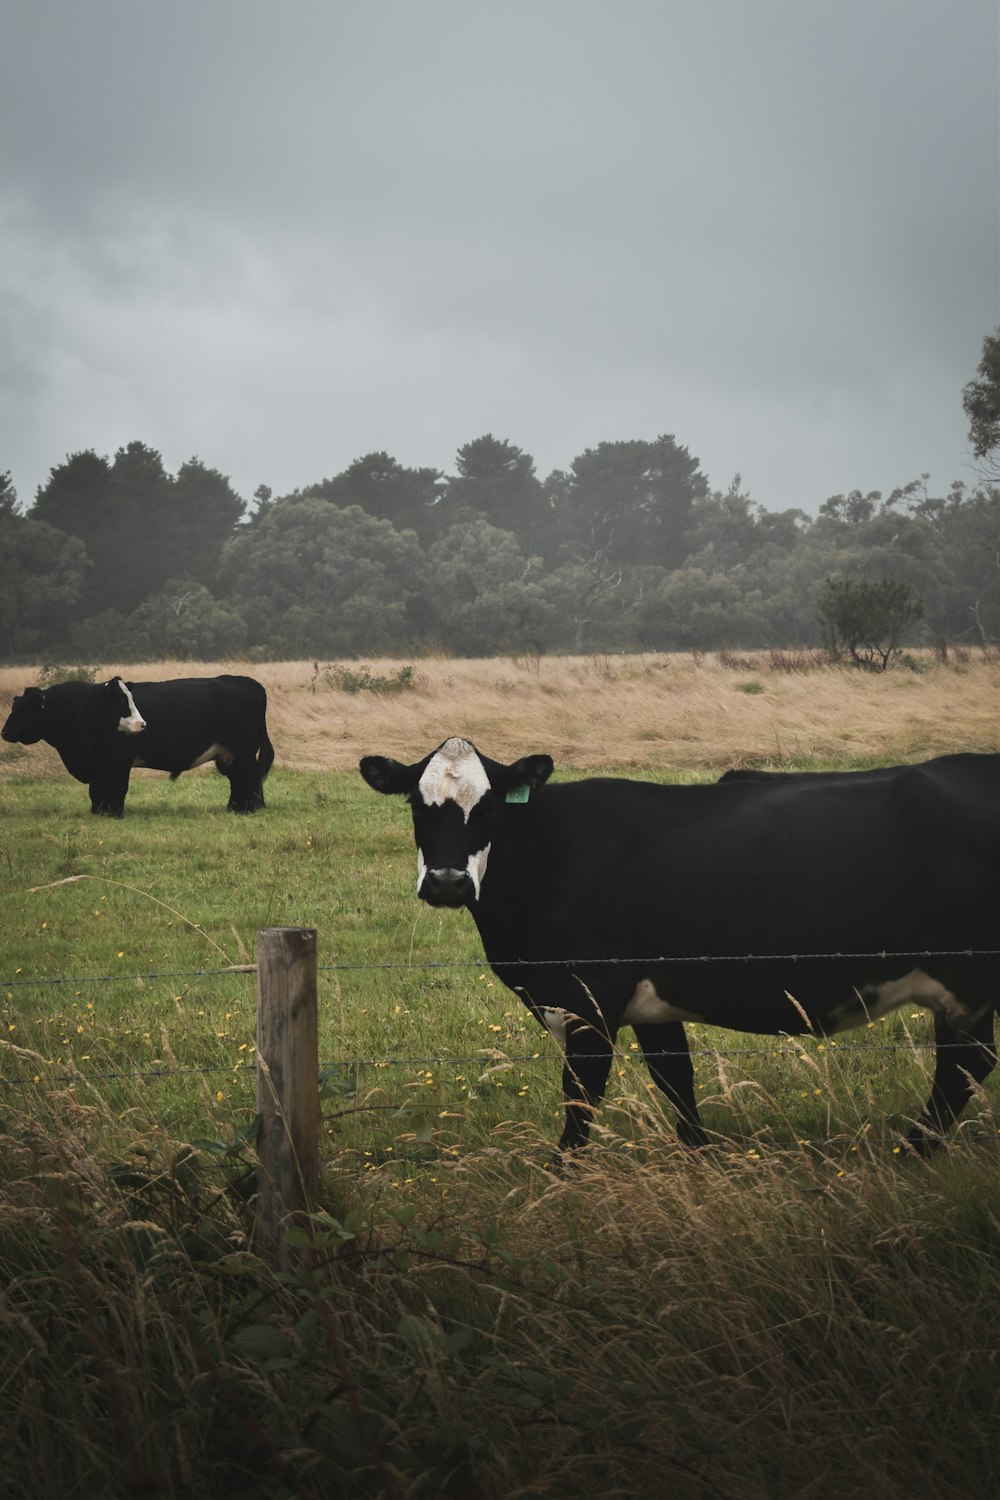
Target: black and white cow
609	903
102	730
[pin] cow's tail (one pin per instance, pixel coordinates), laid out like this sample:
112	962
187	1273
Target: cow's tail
265	750
265	753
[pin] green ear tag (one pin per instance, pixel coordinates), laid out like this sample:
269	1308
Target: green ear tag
518	794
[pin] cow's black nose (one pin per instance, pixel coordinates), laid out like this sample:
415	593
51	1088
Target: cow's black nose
446	888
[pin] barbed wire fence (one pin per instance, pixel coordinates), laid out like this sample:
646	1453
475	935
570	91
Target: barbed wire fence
230	971
287	1063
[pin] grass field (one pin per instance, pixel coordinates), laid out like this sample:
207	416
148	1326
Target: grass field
803	1314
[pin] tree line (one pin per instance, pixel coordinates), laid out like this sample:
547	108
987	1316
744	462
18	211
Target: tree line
627	549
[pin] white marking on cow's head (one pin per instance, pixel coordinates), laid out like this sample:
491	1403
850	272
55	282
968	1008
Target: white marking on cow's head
476	868
454	773
450	879
132	722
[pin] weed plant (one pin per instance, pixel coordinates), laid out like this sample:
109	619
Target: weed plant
362	679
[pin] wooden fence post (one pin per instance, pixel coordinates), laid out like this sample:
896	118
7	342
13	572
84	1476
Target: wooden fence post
287	1084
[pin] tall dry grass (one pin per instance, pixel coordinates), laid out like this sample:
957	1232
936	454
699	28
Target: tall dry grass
655	1323
683	712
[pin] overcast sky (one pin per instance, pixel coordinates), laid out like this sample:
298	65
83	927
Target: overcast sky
279	234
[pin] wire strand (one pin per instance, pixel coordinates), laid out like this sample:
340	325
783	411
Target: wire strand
240	970
488	1059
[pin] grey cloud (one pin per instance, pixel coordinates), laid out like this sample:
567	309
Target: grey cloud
282	235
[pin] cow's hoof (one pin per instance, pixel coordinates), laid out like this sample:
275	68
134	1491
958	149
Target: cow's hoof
565	1160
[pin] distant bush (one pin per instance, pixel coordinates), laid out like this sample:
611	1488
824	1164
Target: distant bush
798	661
865	618
774	661
364	680
735	663
51	672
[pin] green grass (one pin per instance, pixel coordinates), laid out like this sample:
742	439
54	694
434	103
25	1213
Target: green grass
803	1312
124	940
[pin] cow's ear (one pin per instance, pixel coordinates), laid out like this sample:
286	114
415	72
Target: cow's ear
530	770
387	775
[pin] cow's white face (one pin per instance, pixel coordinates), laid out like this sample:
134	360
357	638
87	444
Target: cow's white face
131	722
451	858
456	796
454	773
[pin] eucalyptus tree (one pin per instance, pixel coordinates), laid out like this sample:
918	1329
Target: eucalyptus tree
981	402
867	618
385	489
630	502
41	573
497	480
489	595
140	524
313	578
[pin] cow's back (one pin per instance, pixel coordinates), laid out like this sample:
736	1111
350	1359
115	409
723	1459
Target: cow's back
819	862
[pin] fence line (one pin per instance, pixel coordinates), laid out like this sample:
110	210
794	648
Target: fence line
21	983
486	1055
136	1074
513	963
489	1058
288	1121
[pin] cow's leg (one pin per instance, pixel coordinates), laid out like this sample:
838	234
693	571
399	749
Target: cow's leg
107	793
964	1059
668	1058
574	1018
587	1063
245	790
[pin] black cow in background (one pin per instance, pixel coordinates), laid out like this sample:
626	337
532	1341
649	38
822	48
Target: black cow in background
768	904
102	730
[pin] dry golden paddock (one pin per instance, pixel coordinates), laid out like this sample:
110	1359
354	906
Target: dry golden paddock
684	712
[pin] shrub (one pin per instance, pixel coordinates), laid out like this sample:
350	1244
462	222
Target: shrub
867	617
798	661
364	680
51	672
